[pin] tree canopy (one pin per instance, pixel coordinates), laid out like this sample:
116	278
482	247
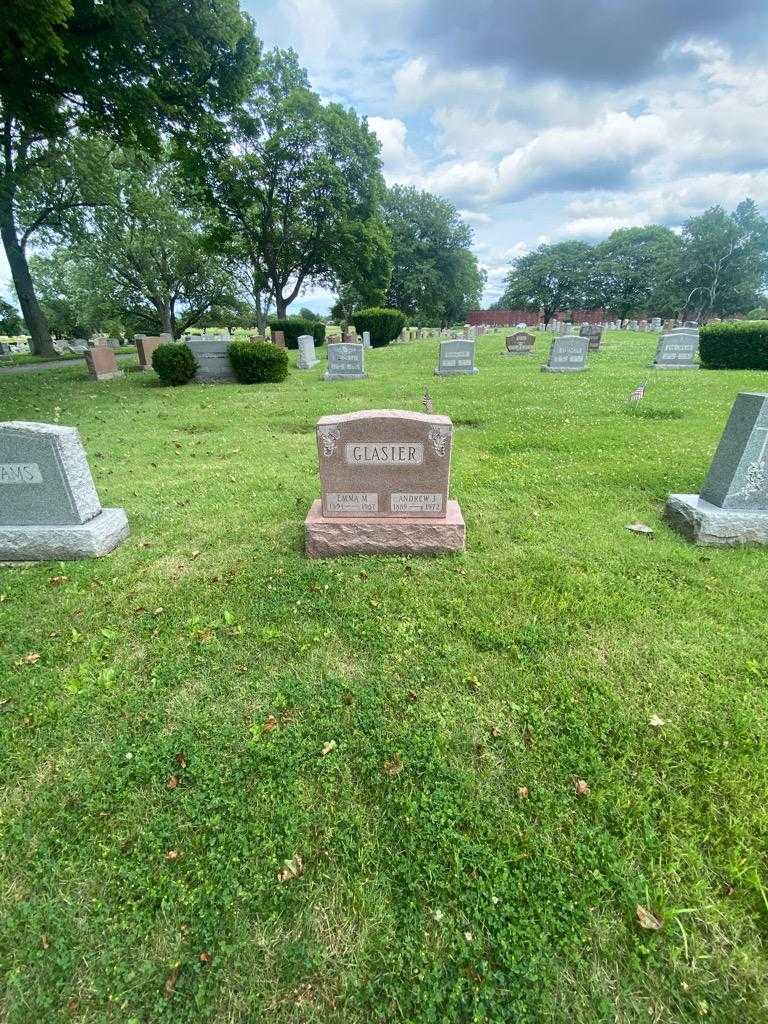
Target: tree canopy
129	69
551	278
435	277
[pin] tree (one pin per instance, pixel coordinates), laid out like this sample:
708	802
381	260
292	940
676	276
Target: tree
294	182
552	278
724	261
128	69
633	269
435	277
10	321
143	256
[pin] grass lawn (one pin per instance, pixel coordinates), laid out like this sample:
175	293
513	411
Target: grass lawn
162	758
25	358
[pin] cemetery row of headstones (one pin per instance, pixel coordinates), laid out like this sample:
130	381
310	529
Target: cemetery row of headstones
384	478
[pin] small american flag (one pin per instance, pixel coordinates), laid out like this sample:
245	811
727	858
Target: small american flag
637	394
427	402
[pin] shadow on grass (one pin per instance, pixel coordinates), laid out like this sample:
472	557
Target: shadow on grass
649	413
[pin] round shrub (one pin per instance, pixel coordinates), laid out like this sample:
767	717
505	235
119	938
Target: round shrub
384	325
757	314
258	362
174	363
294	326
738	346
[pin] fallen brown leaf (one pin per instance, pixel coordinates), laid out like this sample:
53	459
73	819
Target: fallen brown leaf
205	957
495	731
173	782
393	766
45	942
327	748
56	581
170	982
582	789
172	855
522	792
31	659
292	868
205	635
655	722
181	760
270	724
527	737
648	920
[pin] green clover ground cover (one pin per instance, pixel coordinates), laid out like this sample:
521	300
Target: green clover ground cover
162	758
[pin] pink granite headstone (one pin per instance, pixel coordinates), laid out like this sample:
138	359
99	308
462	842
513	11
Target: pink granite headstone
384	486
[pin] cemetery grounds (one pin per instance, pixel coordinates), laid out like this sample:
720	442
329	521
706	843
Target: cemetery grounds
525	784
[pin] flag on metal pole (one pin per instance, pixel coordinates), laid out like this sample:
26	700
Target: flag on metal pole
637	394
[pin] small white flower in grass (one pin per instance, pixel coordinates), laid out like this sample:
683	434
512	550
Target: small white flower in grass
438	915
468	936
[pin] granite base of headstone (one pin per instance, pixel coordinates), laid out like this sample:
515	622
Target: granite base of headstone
306	359
345	362
49	508
567	354
384	486
732	507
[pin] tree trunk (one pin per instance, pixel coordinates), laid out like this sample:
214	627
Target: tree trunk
34	317
166	315
281	306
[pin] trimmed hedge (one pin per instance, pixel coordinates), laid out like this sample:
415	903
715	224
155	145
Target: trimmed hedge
258	362
738	346
384	325
174	363
294	326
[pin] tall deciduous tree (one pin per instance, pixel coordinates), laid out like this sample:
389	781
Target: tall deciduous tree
435	278
129	68
143	252
724	261
633	269
295	182
552	278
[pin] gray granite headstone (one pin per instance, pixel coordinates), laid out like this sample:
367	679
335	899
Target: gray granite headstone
211	352
677	351
567	354
733	505
456	357
594	333
366	339
519	344
49	507
345	362
306	357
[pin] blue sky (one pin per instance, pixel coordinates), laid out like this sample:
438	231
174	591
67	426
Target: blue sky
547	119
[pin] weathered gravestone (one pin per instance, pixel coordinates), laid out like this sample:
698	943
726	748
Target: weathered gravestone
101	363
345	362
567	354
519	344
146	345
307	358
278	338
733	505
5	349
456	357
677	351
49	508
594	334
211	352
384	483
366	339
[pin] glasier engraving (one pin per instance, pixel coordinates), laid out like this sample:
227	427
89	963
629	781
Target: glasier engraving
387	454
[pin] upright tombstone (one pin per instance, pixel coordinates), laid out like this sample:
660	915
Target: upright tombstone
519	344
366	339
49	508
345	362
733	505
456	357
278	338
567	354
211	351
146	345
594	334
677	351
307	358
101	363
384	486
